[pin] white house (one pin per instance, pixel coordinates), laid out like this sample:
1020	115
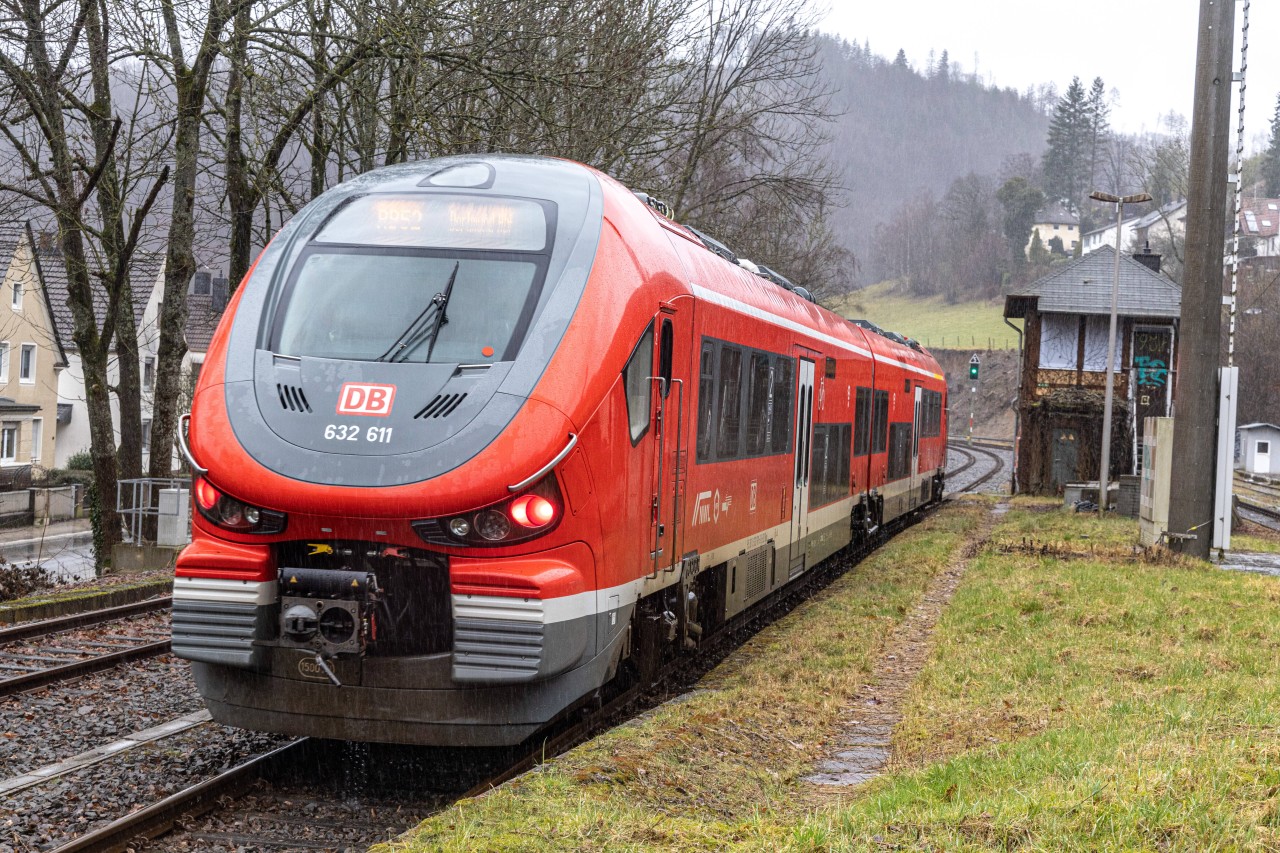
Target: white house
1258	449
1259	228
1106	236
147	279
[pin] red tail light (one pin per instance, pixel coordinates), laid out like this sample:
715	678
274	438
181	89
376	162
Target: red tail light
518	519
228	513
532	511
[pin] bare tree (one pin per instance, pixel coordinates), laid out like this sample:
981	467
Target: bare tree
60	124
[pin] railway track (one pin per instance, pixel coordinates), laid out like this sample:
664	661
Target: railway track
248	807
971	452
37	654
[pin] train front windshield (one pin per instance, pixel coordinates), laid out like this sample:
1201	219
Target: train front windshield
417	279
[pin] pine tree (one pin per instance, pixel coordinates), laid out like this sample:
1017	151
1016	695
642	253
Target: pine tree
1271	157
900	61
1099	127
943	71
1066	162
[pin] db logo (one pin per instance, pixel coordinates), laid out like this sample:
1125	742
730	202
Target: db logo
361	398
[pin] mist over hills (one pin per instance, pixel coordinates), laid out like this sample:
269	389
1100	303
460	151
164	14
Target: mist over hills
899	132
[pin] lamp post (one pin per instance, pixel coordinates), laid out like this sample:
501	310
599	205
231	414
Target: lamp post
1104	474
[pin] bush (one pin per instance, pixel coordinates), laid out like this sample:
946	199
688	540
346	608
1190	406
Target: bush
19	581
80	461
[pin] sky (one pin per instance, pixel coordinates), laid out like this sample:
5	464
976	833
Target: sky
1019	45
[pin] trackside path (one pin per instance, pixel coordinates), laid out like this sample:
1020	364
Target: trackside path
865	747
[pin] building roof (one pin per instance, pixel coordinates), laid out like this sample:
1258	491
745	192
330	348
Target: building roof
202	320
1055	214
1111	227
1259	425
1084	287
53	272
1260	217
1169	210
10	236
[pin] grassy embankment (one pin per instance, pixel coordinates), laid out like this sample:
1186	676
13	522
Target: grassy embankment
964	325
721	767
1079	697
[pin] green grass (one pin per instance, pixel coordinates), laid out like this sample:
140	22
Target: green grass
1104	699
1085	705
720	768
932	321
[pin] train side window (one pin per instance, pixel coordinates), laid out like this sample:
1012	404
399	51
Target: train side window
665	344
706	400
820	454
899	451
831	368
862	423
783	404
636	376
880	422
759	377
728	403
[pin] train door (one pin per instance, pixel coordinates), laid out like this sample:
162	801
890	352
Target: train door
916	423
800	485
673	325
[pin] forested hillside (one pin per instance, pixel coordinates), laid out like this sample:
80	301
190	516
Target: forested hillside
900	133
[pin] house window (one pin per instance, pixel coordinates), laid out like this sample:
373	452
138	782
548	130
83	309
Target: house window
17	294
149	373
1097	329
37	438
4	362
8	442
1262	447
146	436
1059	341
27	365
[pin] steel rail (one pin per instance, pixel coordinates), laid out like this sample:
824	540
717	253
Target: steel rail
32	680
159	818
26	630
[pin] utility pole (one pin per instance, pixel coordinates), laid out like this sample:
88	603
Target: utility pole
1200	329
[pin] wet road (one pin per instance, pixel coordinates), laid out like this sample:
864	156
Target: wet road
66	556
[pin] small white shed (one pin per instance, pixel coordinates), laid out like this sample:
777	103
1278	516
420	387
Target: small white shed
1258	449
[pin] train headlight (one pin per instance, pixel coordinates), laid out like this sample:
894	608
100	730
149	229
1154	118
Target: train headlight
226	512
529	514
493	525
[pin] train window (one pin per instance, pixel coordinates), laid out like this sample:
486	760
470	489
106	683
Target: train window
706	400
899	451
906	386
862	423
759	387
728	402
829	480
931	414
665	343
636	378
831	368
374	305
880	422
783	405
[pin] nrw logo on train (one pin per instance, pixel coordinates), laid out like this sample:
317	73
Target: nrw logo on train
363	398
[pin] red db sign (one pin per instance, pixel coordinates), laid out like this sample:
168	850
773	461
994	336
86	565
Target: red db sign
362	398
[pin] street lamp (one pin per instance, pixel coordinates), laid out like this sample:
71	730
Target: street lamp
1119	202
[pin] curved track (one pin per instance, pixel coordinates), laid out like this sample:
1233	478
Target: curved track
971	453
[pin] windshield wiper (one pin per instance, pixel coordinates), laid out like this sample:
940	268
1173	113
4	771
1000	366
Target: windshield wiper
427	323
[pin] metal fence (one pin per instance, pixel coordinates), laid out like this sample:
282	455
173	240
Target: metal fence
155	510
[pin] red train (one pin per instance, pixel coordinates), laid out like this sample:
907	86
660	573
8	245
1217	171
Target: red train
478	434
